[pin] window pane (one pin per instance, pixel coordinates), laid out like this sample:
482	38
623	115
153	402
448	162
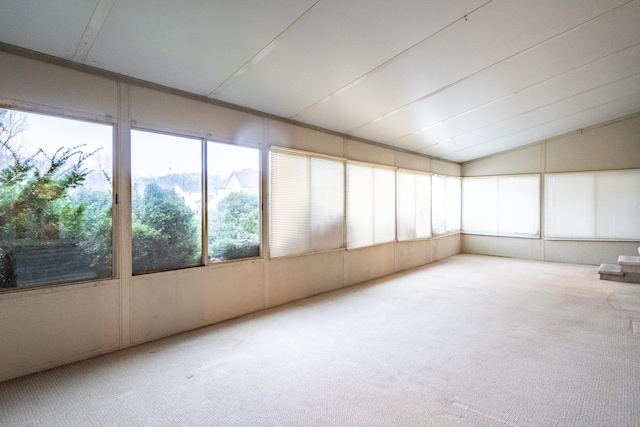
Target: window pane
414	201
445	203
166	176
233	184
480	205
519	206
290	199
618	205
593	205
359	206
423	206
327	204
606	206
438	204
406	205
371	205
570	206
384	206
307	203
55	200
501	205
627	217
454	201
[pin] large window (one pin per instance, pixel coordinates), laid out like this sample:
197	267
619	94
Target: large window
233	196
55	200
166	175
307	203
593	205
501	205
445	204
414	205
371	205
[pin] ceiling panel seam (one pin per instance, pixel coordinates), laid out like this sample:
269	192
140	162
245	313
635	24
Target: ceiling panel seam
502	98
98	18
537	108
522	52
513	74
555	119
258	56
121	78
385	63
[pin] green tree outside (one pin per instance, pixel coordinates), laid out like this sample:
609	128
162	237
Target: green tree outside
45	232
165	231
234	227
55	228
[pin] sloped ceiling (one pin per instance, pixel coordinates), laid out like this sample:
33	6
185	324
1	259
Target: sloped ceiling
454	79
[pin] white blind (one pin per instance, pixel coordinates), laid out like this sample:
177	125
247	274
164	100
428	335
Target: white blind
327	204
445	204
501	205
306	203
414	205
371	207
593	205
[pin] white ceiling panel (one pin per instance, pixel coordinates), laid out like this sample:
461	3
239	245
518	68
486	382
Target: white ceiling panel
596	98
193	48
448	78
332	45
603	99
597	74
53	27
559	126
568	51
491	34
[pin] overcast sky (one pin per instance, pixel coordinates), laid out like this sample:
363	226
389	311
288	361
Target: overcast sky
152	154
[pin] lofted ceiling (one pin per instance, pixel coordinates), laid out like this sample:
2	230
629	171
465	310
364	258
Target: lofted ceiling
453	79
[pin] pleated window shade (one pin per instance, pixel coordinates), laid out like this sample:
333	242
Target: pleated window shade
445	204
306	203
371	205
414	205
501	205
592	205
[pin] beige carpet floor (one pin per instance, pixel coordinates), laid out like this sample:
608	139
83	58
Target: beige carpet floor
467	341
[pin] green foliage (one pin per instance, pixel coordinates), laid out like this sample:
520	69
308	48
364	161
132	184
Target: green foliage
8	277
234	227
33	198
43	203
88	221
46	211
166	233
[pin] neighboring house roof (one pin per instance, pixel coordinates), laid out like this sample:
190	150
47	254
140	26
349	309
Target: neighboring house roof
247	178
218	182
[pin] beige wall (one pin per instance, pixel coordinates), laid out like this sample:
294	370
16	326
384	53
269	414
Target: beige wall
46	327
610	146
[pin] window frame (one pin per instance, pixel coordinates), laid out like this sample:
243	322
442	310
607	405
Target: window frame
86	118
204	216
205	198
203	234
